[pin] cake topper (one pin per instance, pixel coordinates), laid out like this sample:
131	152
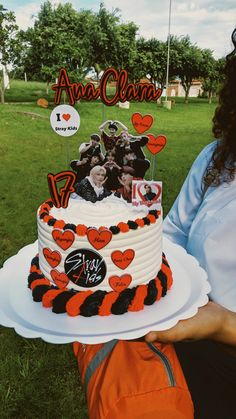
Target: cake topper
61	198
65	120
155	146
141	123
124	91
90	155
99	174
92	187
110	139
147	193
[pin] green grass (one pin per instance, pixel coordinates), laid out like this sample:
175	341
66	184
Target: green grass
40	380
21	91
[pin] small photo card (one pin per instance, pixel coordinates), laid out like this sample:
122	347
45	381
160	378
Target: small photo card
145	192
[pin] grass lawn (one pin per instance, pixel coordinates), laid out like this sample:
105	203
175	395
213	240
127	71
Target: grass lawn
40	380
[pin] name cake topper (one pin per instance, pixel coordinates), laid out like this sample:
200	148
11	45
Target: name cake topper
124	91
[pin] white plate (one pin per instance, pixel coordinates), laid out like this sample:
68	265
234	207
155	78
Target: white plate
30	319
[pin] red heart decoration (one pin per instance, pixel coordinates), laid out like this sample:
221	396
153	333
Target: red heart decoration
150	203
122	259
99	239
141	123
52	257
64	239
61	280
66	116
120	283
156	144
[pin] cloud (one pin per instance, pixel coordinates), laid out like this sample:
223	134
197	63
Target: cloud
209	23
25	15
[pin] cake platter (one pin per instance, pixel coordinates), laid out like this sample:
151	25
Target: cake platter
32	320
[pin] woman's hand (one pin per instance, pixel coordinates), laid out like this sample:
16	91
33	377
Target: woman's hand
211	322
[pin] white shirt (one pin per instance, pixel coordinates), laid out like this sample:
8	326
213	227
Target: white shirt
206	227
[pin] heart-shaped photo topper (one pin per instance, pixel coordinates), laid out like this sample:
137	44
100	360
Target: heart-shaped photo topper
64	239
66	116
156	144
122	259
155	189
99	239
61	280
120	283
52	257
141	123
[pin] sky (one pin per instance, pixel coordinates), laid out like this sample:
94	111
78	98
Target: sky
209	23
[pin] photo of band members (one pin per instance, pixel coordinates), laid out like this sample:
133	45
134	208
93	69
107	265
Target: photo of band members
109	162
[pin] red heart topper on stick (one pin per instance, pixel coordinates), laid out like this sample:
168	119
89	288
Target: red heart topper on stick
99	239
141	123
120	283
156	144
52	257
122	259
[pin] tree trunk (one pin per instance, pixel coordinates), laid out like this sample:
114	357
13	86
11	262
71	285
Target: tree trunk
186	93
186	86
47	88
210	97
2	87
2	95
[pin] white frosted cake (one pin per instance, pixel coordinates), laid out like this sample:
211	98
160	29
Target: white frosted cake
99	258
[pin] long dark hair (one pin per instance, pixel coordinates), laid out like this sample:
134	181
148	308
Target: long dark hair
222	167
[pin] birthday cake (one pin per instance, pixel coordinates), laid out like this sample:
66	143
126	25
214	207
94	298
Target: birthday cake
98	258
98	253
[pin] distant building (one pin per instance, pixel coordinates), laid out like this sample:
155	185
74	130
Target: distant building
144	80
175	88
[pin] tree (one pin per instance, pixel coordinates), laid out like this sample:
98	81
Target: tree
62	36
125	47
213	75
54	41
102	38
151	57
8	30
186	62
